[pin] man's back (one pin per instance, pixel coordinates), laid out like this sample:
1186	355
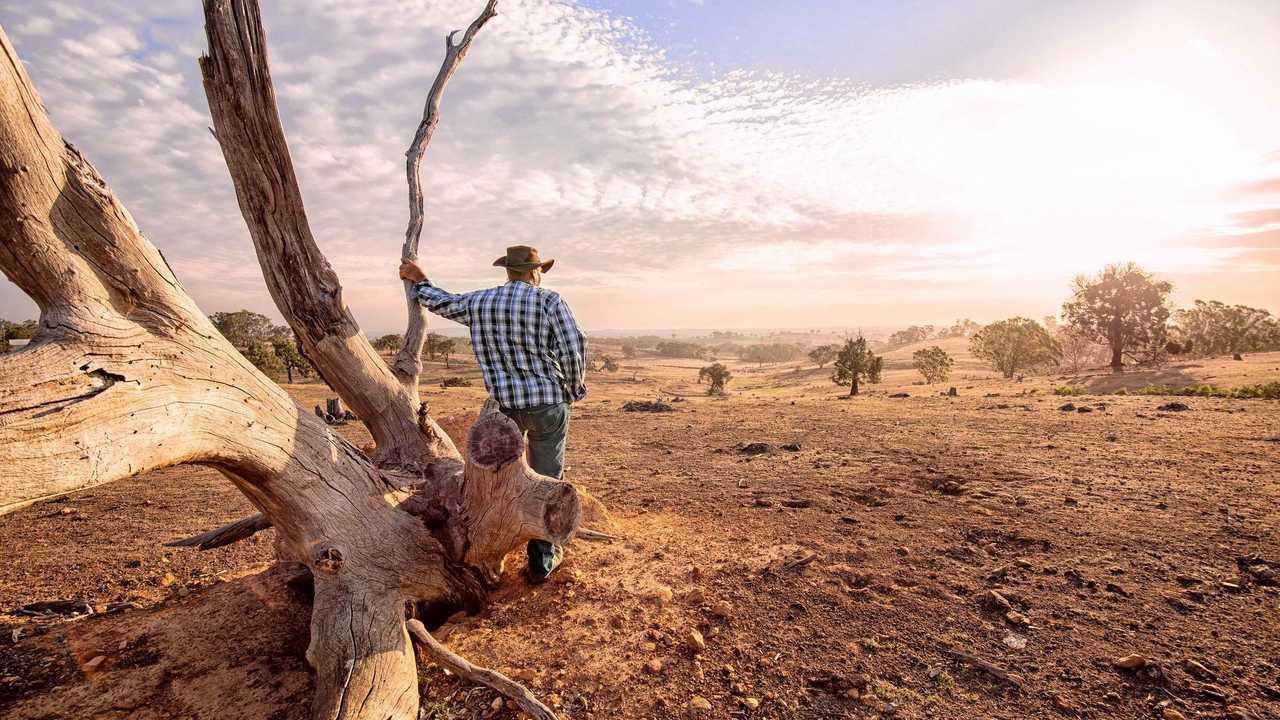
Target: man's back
525	339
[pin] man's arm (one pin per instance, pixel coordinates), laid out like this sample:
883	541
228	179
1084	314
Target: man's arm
445	304
571	349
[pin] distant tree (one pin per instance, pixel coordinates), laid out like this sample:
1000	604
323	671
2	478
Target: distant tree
628	351
933	363
1015	344
243	327
24	330
771	353
1124	307
961	328
389	343
432	345
1079	351
717	376
824	354
285	347
856	362
263	356
1215	328
681	349
913	334
445	347
609	364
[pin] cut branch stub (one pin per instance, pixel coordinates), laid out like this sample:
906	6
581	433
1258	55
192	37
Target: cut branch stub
494	441
408	361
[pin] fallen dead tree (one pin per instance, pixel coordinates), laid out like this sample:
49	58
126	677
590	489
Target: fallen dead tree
127	375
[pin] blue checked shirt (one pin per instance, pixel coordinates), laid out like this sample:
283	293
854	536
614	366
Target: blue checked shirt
525	338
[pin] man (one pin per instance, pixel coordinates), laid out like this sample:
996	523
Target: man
533	358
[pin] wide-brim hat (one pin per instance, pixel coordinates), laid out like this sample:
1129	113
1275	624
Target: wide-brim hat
523	258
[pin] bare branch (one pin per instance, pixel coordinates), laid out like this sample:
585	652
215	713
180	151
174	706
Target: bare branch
463	668
237	81
408	362
225	535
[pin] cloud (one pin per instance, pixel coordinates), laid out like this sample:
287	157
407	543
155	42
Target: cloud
567	128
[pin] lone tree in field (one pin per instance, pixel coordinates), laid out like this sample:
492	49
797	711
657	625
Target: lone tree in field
1015	344
1215	328
933	363
1123	307
824	354
126	375
717	376
388	343
856	362
446	347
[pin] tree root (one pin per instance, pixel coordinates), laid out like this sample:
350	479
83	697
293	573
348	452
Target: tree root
463	668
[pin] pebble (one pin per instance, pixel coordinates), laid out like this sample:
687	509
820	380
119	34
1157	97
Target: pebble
654	666
663	595
751	703
95	662
1132	662
723	609
699	706
695	641
1169	713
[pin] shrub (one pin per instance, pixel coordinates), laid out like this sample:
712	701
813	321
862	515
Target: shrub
1015	344
455	382
1068	390
717	375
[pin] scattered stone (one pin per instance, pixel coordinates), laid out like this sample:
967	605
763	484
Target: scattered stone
496	705
1015	641
722	609
756	448
95	663
798	503
1170	713
792	447
1174	407
699	706
66	511
751	703
654	666
951	392
1132	662
1118	590
1084	409
900	395
1198	669
1069	407
662	595
695	641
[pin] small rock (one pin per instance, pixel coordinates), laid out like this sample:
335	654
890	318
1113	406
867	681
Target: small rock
722	609
699	706
66	511
496	705
1015	641
695	641
662	595
1174	407
1084	409
1198	669
654	666
1169	713
1069	407
900	395
792	447
95	663
750	703
1132	662
168	579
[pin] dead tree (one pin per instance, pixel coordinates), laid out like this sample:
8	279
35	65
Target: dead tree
127	375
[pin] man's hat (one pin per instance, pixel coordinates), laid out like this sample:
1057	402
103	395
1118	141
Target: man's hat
523	258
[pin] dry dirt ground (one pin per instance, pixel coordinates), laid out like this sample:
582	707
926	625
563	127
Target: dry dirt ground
850	576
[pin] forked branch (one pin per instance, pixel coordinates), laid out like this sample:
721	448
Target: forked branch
408	362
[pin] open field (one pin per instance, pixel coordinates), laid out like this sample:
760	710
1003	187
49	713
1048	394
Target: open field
835	579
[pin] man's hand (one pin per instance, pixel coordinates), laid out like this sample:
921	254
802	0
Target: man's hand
410	271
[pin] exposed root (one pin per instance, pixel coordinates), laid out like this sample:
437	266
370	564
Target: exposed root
461	667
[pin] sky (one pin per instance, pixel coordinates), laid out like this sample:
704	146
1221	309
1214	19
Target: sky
710	163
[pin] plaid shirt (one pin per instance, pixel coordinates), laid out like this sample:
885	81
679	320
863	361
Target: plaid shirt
526	340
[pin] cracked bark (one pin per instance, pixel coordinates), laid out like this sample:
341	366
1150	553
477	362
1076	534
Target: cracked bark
127	375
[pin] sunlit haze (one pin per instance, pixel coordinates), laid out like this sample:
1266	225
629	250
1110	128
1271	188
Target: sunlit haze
714	164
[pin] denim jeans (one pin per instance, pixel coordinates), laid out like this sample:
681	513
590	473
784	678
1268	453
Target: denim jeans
546	428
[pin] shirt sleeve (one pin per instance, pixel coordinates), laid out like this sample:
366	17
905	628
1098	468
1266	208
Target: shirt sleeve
571	349
445	304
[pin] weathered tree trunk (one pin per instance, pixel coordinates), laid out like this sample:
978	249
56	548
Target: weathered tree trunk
853	385
127	375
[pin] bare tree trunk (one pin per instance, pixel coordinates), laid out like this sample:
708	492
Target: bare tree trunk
127	375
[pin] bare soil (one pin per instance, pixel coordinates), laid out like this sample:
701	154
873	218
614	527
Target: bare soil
848	577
